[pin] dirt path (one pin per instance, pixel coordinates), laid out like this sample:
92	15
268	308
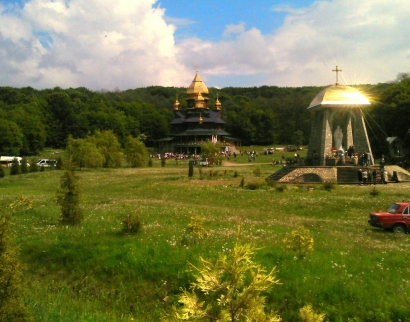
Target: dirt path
234	164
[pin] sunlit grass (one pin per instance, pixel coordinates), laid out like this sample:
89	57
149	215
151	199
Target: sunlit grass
96	273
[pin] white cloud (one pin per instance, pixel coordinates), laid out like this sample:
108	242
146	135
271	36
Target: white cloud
127	43
234	29
97	44
367	39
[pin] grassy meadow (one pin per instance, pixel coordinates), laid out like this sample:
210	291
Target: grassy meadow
96	273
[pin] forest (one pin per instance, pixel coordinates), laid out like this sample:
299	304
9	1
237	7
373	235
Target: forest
32	119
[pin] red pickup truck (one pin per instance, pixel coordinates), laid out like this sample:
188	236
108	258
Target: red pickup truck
396	218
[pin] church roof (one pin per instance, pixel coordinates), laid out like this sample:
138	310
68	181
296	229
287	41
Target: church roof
339	95
197	86
207	117
203	131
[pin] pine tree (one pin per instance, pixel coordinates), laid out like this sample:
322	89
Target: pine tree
15	167
228	290
23	167
69	195
191	170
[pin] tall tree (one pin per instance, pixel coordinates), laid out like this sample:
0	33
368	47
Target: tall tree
136	153
11	138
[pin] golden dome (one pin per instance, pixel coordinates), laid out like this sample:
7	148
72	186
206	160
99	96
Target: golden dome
177	104
197	86
339	95
199	101
218	104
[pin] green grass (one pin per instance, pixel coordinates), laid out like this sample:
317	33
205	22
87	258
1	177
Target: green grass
95	273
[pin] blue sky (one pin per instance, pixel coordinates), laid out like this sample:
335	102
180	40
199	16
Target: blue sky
208	19
109	44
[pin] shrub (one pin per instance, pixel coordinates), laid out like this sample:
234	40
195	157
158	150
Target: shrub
2	173
23	167
228	289
150	162
131	224
59	163
236	174
257	172
242	184
254	185
328	186
195	231
281	188
270	182
300	241
15	167
69	195
308	315
163	161
374	192
33	165
190	170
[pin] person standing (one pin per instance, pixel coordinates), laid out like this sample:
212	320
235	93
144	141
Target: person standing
359	176
374	175
364	176
369	177
384	176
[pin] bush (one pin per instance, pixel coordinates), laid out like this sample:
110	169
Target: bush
270	182
190	170
281	188
236	174
257	172
15	167
59	163
131	224
150	162
68	197
228	289
2	173
254	185
242	184
300	241
24	168
328	186
308	315
33	165
163	161
195	231
374	192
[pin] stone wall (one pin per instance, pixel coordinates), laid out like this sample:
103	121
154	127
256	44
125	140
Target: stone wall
311	174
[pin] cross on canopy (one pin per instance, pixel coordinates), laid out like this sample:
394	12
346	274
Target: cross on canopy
337	70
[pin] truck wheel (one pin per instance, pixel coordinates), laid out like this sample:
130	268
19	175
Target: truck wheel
399	229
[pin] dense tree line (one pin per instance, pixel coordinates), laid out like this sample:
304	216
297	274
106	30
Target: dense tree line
32	119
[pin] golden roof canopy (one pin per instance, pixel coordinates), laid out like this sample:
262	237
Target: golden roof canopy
339	95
